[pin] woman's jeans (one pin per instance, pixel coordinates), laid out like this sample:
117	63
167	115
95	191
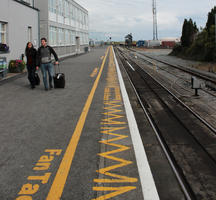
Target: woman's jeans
47	67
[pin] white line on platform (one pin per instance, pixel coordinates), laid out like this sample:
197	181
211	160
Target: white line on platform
147	182
130	66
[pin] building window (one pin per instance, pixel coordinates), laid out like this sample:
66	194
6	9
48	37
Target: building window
67	13
85	21
53	35
72	37
76	13
52	6
30	34
67	37
61	8
61	36
71	11
3	32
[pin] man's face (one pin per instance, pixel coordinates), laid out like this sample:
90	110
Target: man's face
43	43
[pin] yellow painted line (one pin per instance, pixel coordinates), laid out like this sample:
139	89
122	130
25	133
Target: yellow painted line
94	73
57	187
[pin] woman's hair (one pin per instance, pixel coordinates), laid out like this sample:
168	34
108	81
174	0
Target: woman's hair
26	49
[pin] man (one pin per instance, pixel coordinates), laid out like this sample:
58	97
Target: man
44	60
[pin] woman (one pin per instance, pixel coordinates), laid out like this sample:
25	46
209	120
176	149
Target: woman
31	55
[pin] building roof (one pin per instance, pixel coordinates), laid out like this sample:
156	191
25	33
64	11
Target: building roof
26	4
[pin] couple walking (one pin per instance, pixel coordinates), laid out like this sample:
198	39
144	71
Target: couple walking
41	58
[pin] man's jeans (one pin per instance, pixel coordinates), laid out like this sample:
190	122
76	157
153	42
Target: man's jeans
47	67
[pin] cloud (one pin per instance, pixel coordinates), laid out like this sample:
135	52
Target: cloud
120	17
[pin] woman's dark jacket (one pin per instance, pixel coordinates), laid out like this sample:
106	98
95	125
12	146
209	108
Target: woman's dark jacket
31	55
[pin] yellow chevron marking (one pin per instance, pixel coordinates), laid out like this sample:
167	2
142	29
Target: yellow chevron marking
111	120
112	116
104	171
118	191
111	105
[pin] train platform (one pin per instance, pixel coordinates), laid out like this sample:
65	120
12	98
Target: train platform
81	142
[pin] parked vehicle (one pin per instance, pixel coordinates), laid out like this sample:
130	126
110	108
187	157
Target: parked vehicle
140	43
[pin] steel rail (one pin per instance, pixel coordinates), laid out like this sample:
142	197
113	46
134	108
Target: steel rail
182	68
213	129
182	183
205	78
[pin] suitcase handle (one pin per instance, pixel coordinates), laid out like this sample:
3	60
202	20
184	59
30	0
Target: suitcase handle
55	68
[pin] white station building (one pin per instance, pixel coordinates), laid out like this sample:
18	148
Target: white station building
63	22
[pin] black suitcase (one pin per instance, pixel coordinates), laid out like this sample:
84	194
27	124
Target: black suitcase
37	79
59	79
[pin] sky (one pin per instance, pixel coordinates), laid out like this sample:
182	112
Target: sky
117	18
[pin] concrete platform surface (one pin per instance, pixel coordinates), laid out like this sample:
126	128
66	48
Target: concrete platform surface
71	143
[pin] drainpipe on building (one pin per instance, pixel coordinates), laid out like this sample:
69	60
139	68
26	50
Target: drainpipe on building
38	28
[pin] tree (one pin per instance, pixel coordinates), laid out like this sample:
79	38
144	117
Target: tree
211	19
198	45
189	31
210	43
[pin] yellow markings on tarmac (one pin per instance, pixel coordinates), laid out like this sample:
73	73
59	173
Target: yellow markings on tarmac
123	162
102	57
113	123
94	73
112	118
118	191
41	167
57	187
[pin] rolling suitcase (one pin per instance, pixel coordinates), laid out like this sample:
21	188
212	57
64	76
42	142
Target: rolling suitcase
37	79
59	79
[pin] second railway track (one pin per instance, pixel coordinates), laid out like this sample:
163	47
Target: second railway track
189	143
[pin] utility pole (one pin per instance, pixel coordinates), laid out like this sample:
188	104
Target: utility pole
155	35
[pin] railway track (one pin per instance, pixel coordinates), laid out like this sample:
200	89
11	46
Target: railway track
209	83
204	76
187	140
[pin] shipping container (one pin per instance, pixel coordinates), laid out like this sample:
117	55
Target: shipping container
168	44
154	43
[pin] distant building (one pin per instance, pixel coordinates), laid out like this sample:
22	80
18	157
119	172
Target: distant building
65	25
18	25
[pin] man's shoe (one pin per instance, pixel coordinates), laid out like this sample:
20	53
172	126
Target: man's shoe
32	87
46	89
